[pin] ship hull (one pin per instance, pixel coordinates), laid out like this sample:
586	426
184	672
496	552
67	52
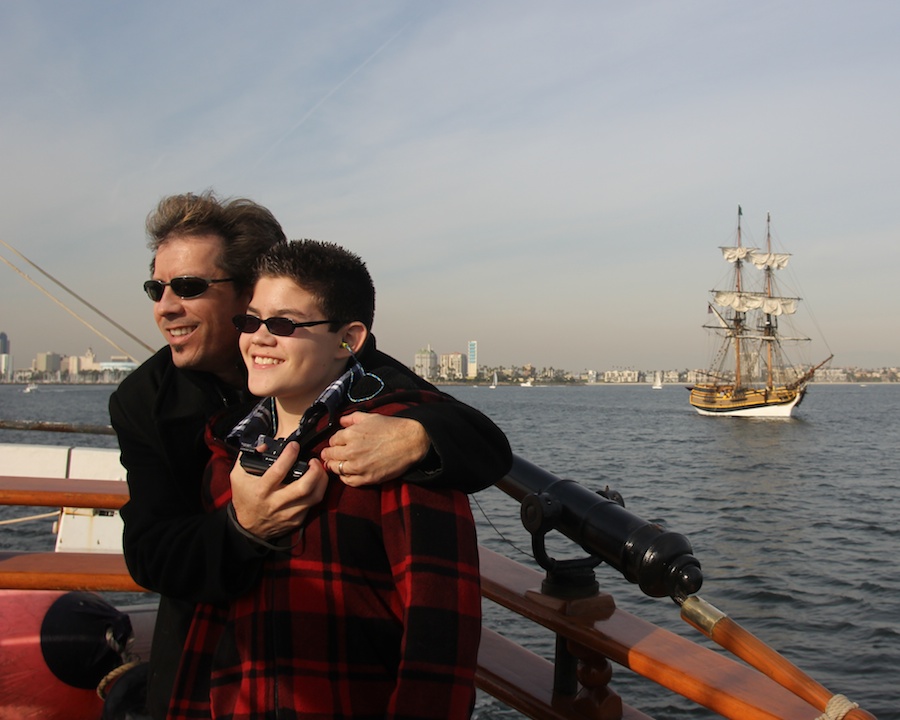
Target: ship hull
718	400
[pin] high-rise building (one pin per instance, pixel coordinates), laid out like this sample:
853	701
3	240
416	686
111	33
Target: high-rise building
82	363
5	358
472	370
47	362
426	365
453	366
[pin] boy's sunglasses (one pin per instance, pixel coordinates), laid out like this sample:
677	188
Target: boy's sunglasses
275	325
186	286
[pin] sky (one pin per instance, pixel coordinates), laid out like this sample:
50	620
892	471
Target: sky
552	180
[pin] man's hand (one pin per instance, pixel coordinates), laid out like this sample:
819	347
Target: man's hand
372	449
268	509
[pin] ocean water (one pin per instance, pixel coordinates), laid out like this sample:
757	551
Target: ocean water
796	522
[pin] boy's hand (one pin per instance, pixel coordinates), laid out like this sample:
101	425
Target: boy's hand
267	508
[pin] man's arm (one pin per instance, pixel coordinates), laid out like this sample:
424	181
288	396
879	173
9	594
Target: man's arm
446	444
468	451
451	447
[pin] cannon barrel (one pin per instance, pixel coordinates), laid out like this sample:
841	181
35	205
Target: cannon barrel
660	562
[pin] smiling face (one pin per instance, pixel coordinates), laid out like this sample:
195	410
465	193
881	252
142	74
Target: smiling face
199	330
294	369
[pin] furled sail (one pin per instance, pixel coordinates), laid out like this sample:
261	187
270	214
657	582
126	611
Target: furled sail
746	301
762	260
733	254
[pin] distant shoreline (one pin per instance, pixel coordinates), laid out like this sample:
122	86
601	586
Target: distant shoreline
486	384
41	383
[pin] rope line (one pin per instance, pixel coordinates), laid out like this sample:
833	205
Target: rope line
77	297
837	708
498	531
129	660
114	675
42	516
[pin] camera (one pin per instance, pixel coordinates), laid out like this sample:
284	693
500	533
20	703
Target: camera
256	463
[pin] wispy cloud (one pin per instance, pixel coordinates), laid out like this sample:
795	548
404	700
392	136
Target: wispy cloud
550	179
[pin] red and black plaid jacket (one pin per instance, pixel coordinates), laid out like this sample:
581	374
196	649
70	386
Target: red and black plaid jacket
375	613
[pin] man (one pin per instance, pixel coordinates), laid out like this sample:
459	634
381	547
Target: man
204	251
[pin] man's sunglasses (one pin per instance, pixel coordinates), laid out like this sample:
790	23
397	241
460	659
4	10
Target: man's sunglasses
186	286
275	325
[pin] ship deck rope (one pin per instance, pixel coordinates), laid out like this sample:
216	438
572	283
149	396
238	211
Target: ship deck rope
129	660
837	708
42	516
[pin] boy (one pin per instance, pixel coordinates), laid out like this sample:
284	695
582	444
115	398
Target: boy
372	609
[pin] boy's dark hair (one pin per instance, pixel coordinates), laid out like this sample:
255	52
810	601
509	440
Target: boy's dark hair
336	277
247	229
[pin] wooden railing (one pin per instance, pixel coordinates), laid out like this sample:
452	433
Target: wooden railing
70	570
593	629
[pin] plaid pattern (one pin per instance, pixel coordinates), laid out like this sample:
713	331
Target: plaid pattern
376	613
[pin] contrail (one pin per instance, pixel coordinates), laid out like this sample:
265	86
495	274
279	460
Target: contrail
331	92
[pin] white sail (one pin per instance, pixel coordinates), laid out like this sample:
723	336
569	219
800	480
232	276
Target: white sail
762	260
733	254
746	301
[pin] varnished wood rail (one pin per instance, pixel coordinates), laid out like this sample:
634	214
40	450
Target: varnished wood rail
713	623
63	492
65	571
707	677
595	629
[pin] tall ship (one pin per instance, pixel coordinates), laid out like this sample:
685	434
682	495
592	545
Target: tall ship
751	374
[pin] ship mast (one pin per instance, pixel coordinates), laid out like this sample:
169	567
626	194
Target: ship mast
738	316
770	328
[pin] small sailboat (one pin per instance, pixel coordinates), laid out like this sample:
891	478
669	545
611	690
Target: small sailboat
494	381
751	374
30	387
657	380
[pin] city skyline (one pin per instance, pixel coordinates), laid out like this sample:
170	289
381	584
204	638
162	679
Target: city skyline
90	361
552	179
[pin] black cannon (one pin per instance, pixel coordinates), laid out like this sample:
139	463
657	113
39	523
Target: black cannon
660	562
